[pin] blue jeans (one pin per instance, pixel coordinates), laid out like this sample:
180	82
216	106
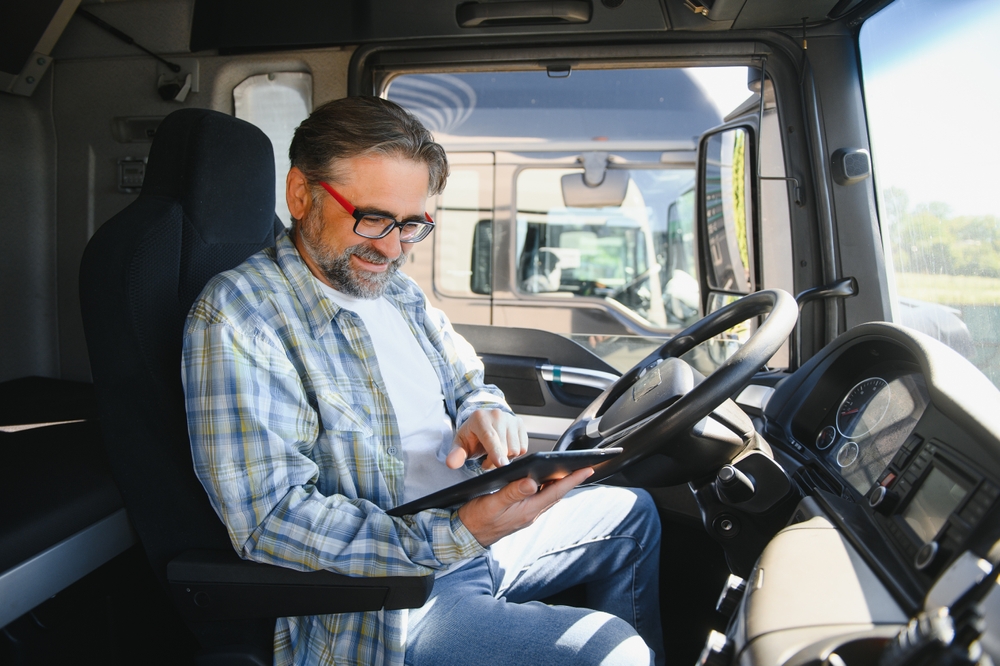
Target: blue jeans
603	537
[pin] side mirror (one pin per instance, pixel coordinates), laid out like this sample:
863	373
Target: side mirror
725	227
726	210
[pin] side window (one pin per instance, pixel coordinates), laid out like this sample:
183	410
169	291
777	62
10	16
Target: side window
276	103
463	241
636	249
930	76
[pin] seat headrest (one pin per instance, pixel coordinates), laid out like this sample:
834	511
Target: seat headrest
219	168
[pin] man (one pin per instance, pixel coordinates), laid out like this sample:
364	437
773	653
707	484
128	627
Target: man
323	390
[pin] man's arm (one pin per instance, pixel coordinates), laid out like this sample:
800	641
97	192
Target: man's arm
485	424
251	425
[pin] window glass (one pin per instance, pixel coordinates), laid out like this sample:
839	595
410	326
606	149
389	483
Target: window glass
930	80
618	252
637	109
608	273
463	237
276	103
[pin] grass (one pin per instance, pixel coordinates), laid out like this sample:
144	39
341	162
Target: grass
955	290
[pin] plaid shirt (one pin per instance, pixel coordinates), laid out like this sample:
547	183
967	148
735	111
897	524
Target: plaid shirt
297	445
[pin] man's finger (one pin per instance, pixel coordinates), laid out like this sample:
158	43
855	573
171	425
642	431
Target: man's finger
517	491
496	449
513	441
554	491
456	457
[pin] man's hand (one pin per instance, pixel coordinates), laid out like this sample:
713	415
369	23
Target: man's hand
515	506
498	434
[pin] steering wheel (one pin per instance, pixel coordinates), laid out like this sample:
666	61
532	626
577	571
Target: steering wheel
657	410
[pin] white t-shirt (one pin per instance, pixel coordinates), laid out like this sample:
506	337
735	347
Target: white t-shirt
425	429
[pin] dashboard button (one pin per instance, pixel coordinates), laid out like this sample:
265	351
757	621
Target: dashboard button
980	504
971	514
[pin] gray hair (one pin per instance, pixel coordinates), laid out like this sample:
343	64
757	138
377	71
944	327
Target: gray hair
356	126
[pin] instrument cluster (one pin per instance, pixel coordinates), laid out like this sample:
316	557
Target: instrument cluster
873	419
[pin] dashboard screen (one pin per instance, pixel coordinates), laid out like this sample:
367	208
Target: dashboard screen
936	498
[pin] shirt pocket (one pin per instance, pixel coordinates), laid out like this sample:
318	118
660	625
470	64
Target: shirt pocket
346	449
337	414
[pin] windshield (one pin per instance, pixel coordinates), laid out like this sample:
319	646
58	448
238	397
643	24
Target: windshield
930	82
596	109
570	206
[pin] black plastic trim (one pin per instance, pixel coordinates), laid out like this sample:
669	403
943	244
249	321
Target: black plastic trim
217	585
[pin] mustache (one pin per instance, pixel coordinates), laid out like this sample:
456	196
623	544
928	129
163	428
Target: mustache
370	254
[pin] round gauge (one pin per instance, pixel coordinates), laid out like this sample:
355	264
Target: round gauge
847	454
825	438
863	407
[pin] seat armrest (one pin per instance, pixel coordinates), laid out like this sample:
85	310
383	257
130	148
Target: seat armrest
218	585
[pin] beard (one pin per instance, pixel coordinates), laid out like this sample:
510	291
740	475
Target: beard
337	269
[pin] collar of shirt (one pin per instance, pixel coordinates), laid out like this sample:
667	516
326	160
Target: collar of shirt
321	310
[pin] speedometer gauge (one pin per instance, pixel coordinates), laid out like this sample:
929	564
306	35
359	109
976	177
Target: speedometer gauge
863	407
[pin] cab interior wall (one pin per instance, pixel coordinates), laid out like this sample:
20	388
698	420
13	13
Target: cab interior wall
92	83
837	77
27	255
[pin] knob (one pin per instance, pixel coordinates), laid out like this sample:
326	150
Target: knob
731	594
926	555
718	650
733	485
882	499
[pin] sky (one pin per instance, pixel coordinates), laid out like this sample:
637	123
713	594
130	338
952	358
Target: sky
933	103
725	86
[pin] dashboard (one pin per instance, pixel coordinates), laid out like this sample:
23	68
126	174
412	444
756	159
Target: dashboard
894	442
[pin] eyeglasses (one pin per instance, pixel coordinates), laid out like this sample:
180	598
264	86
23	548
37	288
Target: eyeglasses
376	225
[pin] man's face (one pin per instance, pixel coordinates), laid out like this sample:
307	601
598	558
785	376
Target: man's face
361	267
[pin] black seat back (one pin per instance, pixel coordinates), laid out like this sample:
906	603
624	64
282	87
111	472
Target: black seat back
207	204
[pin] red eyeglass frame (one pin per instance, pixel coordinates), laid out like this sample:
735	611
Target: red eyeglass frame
359	215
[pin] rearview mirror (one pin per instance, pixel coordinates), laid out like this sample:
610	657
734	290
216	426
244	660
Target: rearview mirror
610	192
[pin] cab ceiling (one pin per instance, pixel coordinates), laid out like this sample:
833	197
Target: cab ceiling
248	25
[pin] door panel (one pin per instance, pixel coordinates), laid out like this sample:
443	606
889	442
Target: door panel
544	376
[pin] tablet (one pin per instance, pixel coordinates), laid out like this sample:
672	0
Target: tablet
541	466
